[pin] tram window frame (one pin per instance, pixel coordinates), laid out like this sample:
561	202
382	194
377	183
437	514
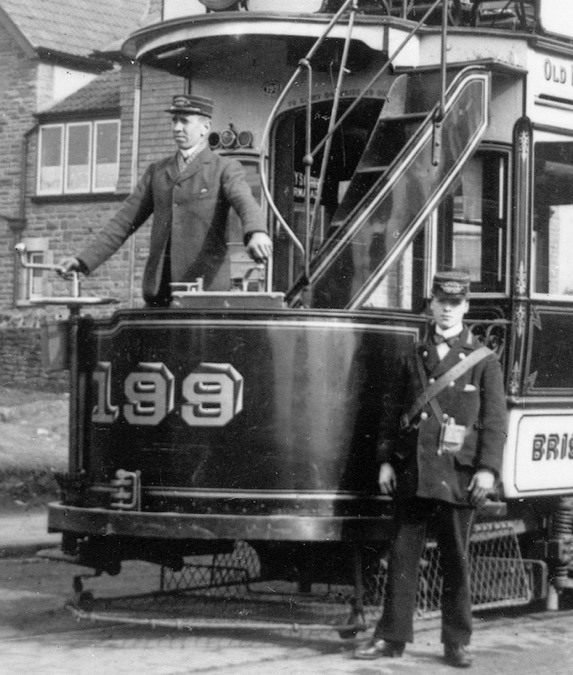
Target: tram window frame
239	261
409	279
560	185
490	279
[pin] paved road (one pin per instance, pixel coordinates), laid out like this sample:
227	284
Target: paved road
40	636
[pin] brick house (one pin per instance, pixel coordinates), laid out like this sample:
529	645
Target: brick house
67	159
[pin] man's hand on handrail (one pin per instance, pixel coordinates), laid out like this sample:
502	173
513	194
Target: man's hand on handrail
68	265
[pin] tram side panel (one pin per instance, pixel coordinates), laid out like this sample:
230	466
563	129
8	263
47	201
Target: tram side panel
241	416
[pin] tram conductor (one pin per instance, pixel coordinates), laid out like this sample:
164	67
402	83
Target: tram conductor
440	453
189	194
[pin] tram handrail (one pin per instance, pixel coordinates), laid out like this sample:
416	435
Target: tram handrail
310	222
22	251
272	117
380	72
305	63
73	301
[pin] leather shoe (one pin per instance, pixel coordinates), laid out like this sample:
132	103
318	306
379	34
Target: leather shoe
376	649
457	656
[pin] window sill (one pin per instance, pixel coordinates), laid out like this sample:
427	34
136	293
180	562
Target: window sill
26	304
79	197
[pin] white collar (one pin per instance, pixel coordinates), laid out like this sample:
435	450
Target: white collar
189	152
450	332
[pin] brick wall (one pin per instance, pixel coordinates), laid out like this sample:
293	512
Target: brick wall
66	223
69	225
155	142
17	105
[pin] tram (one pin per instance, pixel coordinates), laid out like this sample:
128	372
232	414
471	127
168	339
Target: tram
388	139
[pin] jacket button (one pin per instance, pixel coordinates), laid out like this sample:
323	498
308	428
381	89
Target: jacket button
425	355
424	416
462	355
432	380
452	384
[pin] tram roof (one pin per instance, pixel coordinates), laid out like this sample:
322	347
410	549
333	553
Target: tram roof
155	39
163	44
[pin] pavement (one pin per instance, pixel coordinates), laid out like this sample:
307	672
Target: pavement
25	532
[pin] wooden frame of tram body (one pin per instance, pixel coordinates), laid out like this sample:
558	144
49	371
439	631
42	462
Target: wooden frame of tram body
523	92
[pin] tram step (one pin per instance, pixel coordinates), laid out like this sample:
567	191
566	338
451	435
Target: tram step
381	210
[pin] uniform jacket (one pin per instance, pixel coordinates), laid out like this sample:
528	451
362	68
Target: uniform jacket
190	212
476	400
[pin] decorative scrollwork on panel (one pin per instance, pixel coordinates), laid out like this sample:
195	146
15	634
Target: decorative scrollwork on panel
530	382
523	145
521	279
519	319
536	318
514	379
491	335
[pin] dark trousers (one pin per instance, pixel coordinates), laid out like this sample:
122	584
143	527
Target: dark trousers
451	526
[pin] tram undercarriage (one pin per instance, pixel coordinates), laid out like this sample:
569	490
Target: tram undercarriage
296	586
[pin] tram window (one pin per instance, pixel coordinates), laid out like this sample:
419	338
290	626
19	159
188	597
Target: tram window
469	229
253	177
239	261
289	177
472	223
396	290
552	236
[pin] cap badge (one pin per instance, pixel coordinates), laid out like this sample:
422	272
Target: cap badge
453	287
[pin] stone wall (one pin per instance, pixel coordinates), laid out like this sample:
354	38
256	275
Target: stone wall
21	354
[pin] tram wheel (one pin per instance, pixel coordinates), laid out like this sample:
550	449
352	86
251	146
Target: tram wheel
356	624
85	600
348	634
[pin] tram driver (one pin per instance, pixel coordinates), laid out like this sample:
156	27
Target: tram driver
441	455
189	194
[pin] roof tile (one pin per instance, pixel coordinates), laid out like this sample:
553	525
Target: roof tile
75	27
101	94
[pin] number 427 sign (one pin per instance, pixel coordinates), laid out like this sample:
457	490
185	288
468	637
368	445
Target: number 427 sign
212	395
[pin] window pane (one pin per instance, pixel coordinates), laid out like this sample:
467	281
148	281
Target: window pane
36	276
470	231
395	291
240	264
552	14
106	156
467	229
472	223
552	240
254	180
78	165
50	170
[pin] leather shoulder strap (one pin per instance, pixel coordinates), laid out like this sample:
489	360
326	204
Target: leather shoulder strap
442	382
